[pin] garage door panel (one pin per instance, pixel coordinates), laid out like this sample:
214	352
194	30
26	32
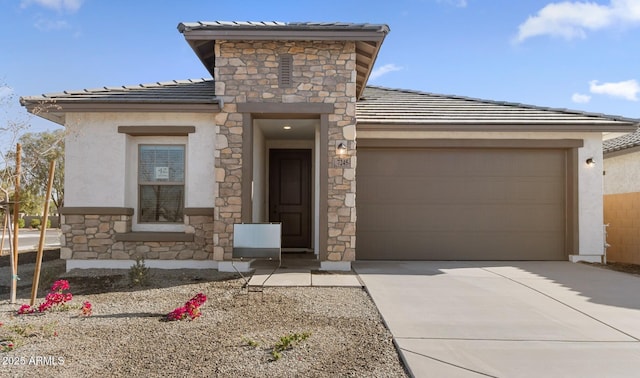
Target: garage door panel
485	204
467	162
472	190
460	217
459	246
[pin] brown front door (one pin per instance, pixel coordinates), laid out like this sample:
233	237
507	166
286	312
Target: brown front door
290	195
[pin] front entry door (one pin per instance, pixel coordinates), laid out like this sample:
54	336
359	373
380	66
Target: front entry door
290	195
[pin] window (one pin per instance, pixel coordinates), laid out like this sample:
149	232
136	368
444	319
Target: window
161	175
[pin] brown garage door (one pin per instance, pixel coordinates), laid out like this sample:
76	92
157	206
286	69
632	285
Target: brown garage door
461	204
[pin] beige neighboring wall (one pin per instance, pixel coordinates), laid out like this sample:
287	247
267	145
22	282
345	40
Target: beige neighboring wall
622	207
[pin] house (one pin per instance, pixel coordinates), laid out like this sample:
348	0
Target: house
288	131
622	197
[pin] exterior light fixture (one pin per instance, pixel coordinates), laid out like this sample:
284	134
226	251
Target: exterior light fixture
286	127
590	162
341	149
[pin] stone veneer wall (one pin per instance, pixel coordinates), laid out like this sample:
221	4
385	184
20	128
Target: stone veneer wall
95	237
323	72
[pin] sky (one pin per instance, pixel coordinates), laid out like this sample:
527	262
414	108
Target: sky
580	55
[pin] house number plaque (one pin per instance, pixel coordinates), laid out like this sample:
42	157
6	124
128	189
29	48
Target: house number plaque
342	162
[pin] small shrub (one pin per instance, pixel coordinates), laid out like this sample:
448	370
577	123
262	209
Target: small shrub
35	223
250	342
287	342
139	273
21	223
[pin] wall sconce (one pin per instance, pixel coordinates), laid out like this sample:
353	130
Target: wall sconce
341	149
590	162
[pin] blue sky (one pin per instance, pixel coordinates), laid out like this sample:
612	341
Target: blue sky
570	54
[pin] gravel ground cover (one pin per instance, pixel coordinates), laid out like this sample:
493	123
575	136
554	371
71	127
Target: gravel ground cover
234	337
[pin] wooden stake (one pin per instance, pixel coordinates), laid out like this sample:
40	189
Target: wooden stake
16	218
5	218
43	234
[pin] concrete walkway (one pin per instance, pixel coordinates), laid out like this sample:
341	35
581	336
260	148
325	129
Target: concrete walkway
301	276
509	319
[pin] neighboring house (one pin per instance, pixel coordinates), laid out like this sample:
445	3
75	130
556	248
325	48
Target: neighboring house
622	197
287	131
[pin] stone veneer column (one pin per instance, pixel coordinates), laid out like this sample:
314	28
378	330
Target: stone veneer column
323	72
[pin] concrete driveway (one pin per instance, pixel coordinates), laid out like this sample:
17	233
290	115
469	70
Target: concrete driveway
508	319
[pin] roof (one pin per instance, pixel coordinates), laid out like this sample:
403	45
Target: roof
378	108
621	143
368	38
196	95
406	109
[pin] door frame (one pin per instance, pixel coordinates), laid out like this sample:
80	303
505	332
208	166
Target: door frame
321	111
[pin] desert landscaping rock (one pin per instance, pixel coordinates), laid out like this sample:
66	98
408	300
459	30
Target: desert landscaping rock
126	337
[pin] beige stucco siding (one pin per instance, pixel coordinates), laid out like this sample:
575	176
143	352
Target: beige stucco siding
622	173
98	158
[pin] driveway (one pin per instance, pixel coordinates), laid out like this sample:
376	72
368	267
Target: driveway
508	319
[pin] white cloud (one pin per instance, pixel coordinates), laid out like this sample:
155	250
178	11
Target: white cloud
580	98
376	73
456	3
627	90
59	5
571	20
49	25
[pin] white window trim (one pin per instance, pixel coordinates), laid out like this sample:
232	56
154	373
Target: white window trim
132	181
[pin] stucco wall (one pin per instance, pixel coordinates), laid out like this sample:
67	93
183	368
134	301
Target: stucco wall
97	157
622	173
590	183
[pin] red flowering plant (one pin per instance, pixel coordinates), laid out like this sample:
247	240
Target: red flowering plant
86	309
56	299
191	309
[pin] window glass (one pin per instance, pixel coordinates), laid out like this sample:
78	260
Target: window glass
161	183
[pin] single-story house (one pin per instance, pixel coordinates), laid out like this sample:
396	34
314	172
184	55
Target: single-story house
287	130
622	197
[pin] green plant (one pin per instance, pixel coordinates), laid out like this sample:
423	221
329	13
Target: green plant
7	344
21	223
15	335
24	331
250	342
36	223
139	273
287	342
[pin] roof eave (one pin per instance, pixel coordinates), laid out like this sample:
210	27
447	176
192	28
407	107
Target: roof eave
59	107
497	126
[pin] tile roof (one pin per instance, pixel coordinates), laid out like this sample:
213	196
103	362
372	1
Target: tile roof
276	25
199	91
621	143
380	105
